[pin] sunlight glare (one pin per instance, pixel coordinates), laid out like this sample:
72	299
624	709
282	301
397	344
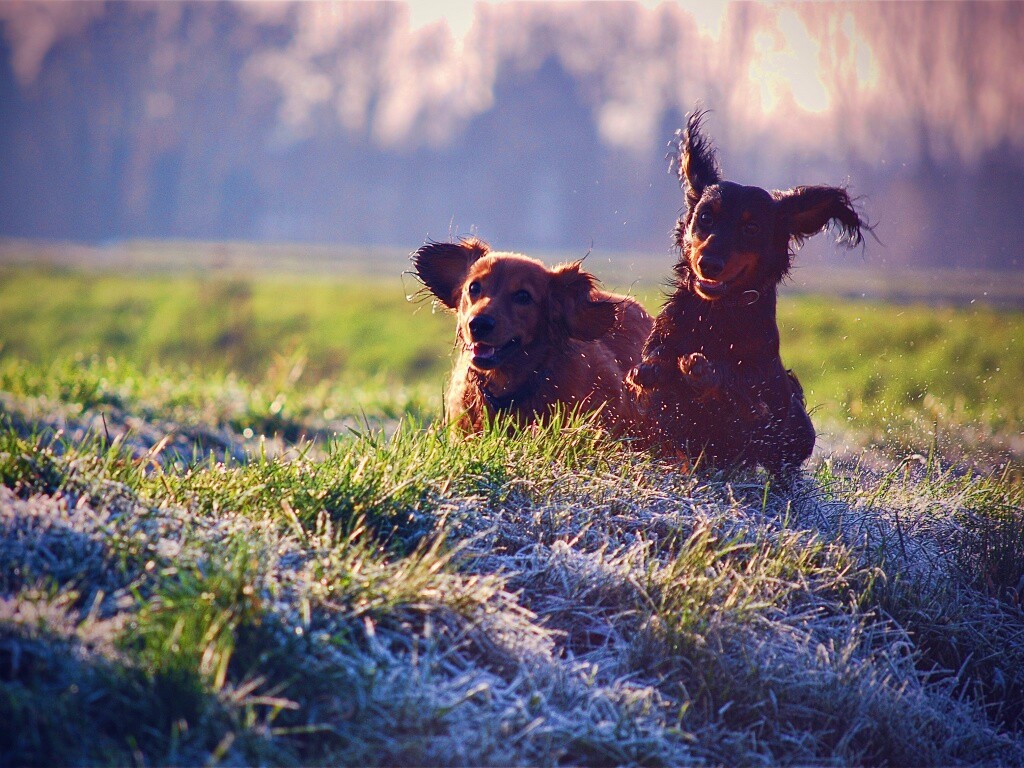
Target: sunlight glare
457	15
864	60
786	58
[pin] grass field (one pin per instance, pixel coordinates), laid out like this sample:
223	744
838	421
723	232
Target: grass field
186	579
886	376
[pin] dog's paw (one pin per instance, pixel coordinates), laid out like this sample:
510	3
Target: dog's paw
699	372
642	376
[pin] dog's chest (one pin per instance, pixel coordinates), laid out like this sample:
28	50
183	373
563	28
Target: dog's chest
722	335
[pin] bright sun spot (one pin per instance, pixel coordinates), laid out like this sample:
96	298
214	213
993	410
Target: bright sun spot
786	59
456	14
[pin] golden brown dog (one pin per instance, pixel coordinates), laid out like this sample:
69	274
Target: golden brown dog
529	338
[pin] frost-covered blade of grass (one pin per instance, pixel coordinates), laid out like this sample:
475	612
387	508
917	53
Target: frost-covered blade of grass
948	548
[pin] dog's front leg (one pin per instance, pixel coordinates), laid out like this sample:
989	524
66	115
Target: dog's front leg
648	374
701	375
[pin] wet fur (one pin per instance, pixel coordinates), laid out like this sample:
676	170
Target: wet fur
575	342
711	383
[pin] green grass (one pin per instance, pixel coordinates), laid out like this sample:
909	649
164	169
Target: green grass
897	372
891	375
223	323
233	530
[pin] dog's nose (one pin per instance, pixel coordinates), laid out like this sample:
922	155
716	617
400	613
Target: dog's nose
481	326
711	267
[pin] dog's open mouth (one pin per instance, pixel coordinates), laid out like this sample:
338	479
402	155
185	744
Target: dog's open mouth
712	289
487	356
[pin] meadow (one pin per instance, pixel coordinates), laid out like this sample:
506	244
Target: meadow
877	375
235	530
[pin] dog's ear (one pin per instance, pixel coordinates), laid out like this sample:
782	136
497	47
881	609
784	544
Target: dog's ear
697	165
575	307
806	211
443	266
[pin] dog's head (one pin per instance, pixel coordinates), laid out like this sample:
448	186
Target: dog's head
735	238
511	308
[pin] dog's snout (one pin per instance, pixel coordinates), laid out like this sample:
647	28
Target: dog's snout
481	326
710	266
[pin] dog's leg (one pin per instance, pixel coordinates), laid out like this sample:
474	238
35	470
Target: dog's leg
799	438
793	442
647	374
702	375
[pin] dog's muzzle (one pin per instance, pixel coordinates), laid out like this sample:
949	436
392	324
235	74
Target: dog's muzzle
481	326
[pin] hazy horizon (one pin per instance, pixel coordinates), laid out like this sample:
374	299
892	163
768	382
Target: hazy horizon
533	125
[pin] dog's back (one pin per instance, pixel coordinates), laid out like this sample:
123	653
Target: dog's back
592	373
626	338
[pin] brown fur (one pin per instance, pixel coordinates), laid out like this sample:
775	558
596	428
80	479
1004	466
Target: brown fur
529	337
711	383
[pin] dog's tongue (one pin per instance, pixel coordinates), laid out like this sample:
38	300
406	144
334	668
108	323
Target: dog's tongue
486	351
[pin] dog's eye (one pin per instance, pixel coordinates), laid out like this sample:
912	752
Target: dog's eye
751	229
522	297
473	289
705	219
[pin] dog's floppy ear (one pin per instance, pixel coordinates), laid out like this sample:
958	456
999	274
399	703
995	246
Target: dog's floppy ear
443	266
584	317
697	166
806	211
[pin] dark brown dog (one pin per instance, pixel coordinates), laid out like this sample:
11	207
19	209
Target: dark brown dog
529	337
711	382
